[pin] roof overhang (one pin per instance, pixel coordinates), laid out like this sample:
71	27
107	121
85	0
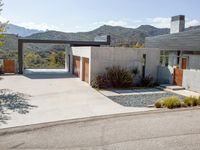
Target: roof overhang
187	41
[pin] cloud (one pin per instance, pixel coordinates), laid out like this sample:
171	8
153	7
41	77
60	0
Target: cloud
124	23
111	23
2	19
38	26
193	22
158	22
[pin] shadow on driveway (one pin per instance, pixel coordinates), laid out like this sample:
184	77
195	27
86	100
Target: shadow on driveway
13	102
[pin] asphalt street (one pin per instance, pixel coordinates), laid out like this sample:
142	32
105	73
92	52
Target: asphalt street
176	130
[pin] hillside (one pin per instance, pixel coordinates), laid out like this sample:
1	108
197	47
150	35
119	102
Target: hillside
21	31
119	35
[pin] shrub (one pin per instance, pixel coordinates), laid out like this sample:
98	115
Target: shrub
147	81
100	82
159	104
172	102
198	101
191	101
169	102
119	77
183	104
135	71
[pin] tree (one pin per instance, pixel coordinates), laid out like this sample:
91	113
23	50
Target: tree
53	60
2	27
139	45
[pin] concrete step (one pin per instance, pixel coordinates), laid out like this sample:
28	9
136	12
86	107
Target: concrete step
171	87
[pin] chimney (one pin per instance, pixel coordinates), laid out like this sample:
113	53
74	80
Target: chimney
177	24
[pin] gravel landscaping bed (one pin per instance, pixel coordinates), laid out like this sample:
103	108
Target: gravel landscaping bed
141	100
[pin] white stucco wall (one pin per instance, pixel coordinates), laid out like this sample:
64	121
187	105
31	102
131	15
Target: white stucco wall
194	62
191	80
103	57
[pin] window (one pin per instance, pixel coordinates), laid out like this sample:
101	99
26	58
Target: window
164	58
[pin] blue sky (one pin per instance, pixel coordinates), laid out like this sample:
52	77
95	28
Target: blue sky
85	15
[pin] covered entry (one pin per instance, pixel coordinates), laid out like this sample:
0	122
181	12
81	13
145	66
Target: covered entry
21	43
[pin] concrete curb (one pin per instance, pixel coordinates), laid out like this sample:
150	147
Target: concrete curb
28	128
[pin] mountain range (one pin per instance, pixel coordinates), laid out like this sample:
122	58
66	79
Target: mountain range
21	31
120	36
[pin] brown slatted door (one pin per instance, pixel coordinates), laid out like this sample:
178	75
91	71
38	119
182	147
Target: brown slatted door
184	63
76	66
178	77
9	66
86	70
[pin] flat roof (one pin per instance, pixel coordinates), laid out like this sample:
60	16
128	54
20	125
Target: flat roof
72	43
187	40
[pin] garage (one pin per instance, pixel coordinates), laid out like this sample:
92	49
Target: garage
76	66
86	70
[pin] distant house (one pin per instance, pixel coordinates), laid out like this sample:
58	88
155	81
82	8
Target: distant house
180	55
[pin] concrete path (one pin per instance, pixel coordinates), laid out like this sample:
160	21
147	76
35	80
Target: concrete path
53	98
178	90
183	92
174	130
115	92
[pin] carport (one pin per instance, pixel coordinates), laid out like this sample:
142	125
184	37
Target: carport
98	42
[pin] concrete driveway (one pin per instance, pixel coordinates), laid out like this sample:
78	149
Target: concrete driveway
48	98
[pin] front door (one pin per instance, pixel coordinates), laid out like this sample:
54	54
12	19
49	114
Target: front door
184	63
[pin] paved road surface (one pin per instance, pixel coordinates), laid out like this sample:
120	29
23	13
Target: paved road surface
178	130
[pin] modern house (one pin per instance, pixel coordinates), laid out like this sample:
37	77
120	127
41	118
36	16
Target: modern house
87	59
88	62
170	59
180	55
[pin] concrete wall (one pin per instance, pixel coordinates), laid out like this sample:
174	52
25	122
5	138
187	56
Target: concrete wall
103	57
194	62
165	75
191	80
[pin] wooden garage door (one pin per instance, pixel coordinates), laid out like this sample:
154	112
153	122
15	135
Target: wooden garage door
76	66
178	76
86	69
9	66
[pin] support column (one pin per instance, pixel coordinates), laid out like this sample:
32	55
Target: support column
68	58
20	57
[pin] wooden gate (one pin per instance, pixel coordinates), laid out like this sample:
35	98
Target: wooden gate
8	66
178	76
